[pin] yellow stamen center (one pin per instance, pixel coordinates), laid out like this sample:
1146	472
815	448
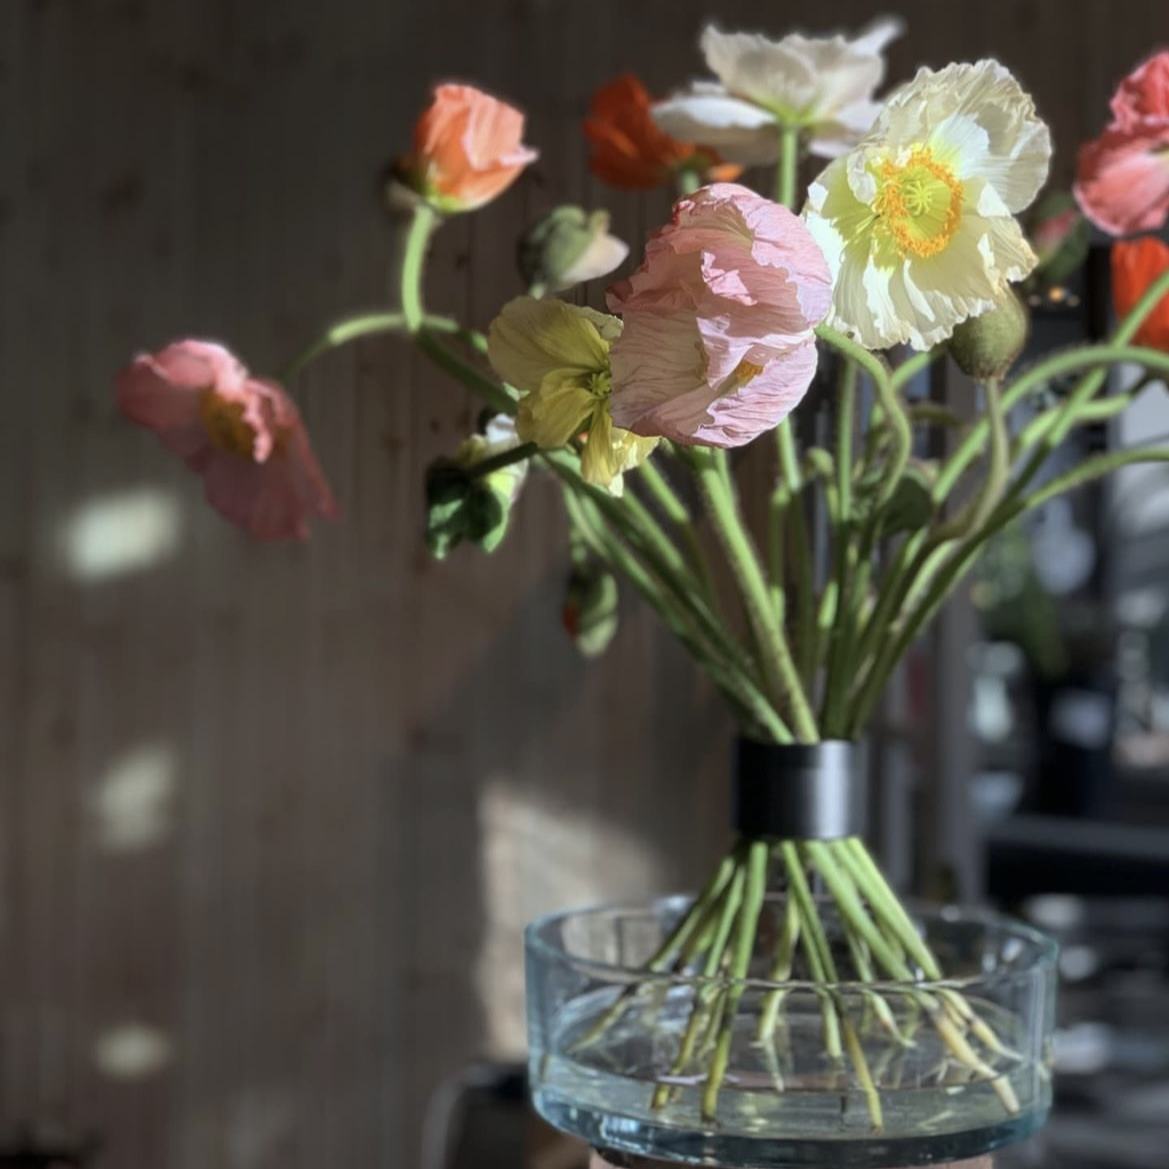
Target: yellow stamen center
918	204
226	427
744	372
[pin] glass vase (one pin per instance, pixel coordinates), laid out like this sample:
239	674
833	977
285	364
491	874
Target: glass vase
611	1060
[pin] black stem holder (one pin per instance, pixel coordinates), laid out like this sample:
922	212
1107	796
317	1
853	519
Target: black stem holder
800	791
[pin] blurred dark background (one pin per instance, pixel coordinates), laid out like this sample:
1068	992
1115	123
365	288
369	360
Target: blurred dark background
271	819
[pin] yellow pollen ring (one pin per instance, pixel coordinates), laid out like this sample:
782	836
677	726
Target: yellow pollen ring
918	204
743	373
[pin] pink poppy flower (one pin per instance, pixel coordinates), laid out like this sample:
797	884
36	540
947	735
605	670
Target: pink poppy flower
243	435
717	345
467	149
1122	179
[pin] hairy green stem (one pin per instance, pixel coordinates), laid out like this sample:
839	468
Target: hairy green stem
794	523
414	261
837	672
719	494
788	169
679	515
745	931
896	417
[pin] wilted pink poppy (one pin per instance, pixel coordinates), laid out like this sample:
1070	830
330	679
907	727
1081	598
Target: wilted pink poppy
1122	177
243	435
717	345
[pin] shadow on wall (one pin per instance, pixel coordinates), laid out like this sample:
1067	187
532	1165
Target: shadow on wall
559	812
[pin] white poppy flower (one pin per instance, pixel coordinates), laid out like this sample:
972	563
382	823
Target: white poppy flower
918	221
823	84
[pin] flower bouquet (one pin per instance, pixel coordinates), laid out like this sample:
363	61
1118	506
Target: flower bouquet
902	249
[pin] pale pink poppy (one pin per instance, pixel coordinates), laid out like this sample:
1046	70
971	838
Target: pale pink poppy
718	343
243	435
1122	177
467	149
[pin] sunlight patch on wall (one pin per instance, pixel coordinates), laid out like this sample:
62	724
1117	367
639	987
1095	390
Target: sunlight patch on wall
120	533
133	802
132	1051
537	858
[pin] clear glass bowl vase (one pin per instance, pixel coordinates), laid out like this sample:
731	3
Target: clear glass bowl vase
607	1044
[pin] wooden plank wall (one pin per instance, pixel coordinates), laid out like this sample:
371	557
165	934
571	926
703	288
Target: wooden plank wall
270	819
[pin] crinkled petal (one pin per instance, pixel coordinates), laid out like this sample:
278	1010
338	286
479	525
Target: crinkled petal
1122	182
761	403
1144	93
532	337
724	303
742	133
556	412
824	84
976	118
1136	264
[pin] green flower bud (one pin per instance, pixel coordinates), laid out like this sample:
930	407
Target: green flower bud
567	247
590	608
987	346
465	503
912	505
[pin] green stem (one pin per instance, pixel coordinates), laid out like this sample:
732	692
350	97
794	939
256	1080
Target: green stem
493	394
788	169
496	462
1096	359
781	969
796	522
836	679
815	944
339	334
912	366
679	515
721	500
413	262
896	417
939	588
746	928
822	856
714	957
682	611
1102	410
367	324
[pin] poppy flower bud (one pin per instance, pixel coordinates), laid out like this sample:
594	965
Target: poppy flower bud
987	346
590	608
568	246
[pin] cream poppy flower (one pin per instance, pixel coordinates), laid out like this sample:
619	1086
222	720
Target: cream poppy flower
822	84
557	356
918	222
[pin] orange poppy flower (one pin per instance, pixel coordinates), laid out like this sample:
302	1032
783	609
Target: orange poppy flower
630	151
467	149
1135	265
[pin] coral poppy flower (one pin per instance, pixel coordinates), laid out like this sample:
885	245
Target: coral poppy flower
1122	177
630	151
243	435
918	221
467	149
717	345
1135	265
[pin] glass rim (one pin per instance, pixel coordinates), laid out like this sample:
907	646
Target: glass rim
1046	951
